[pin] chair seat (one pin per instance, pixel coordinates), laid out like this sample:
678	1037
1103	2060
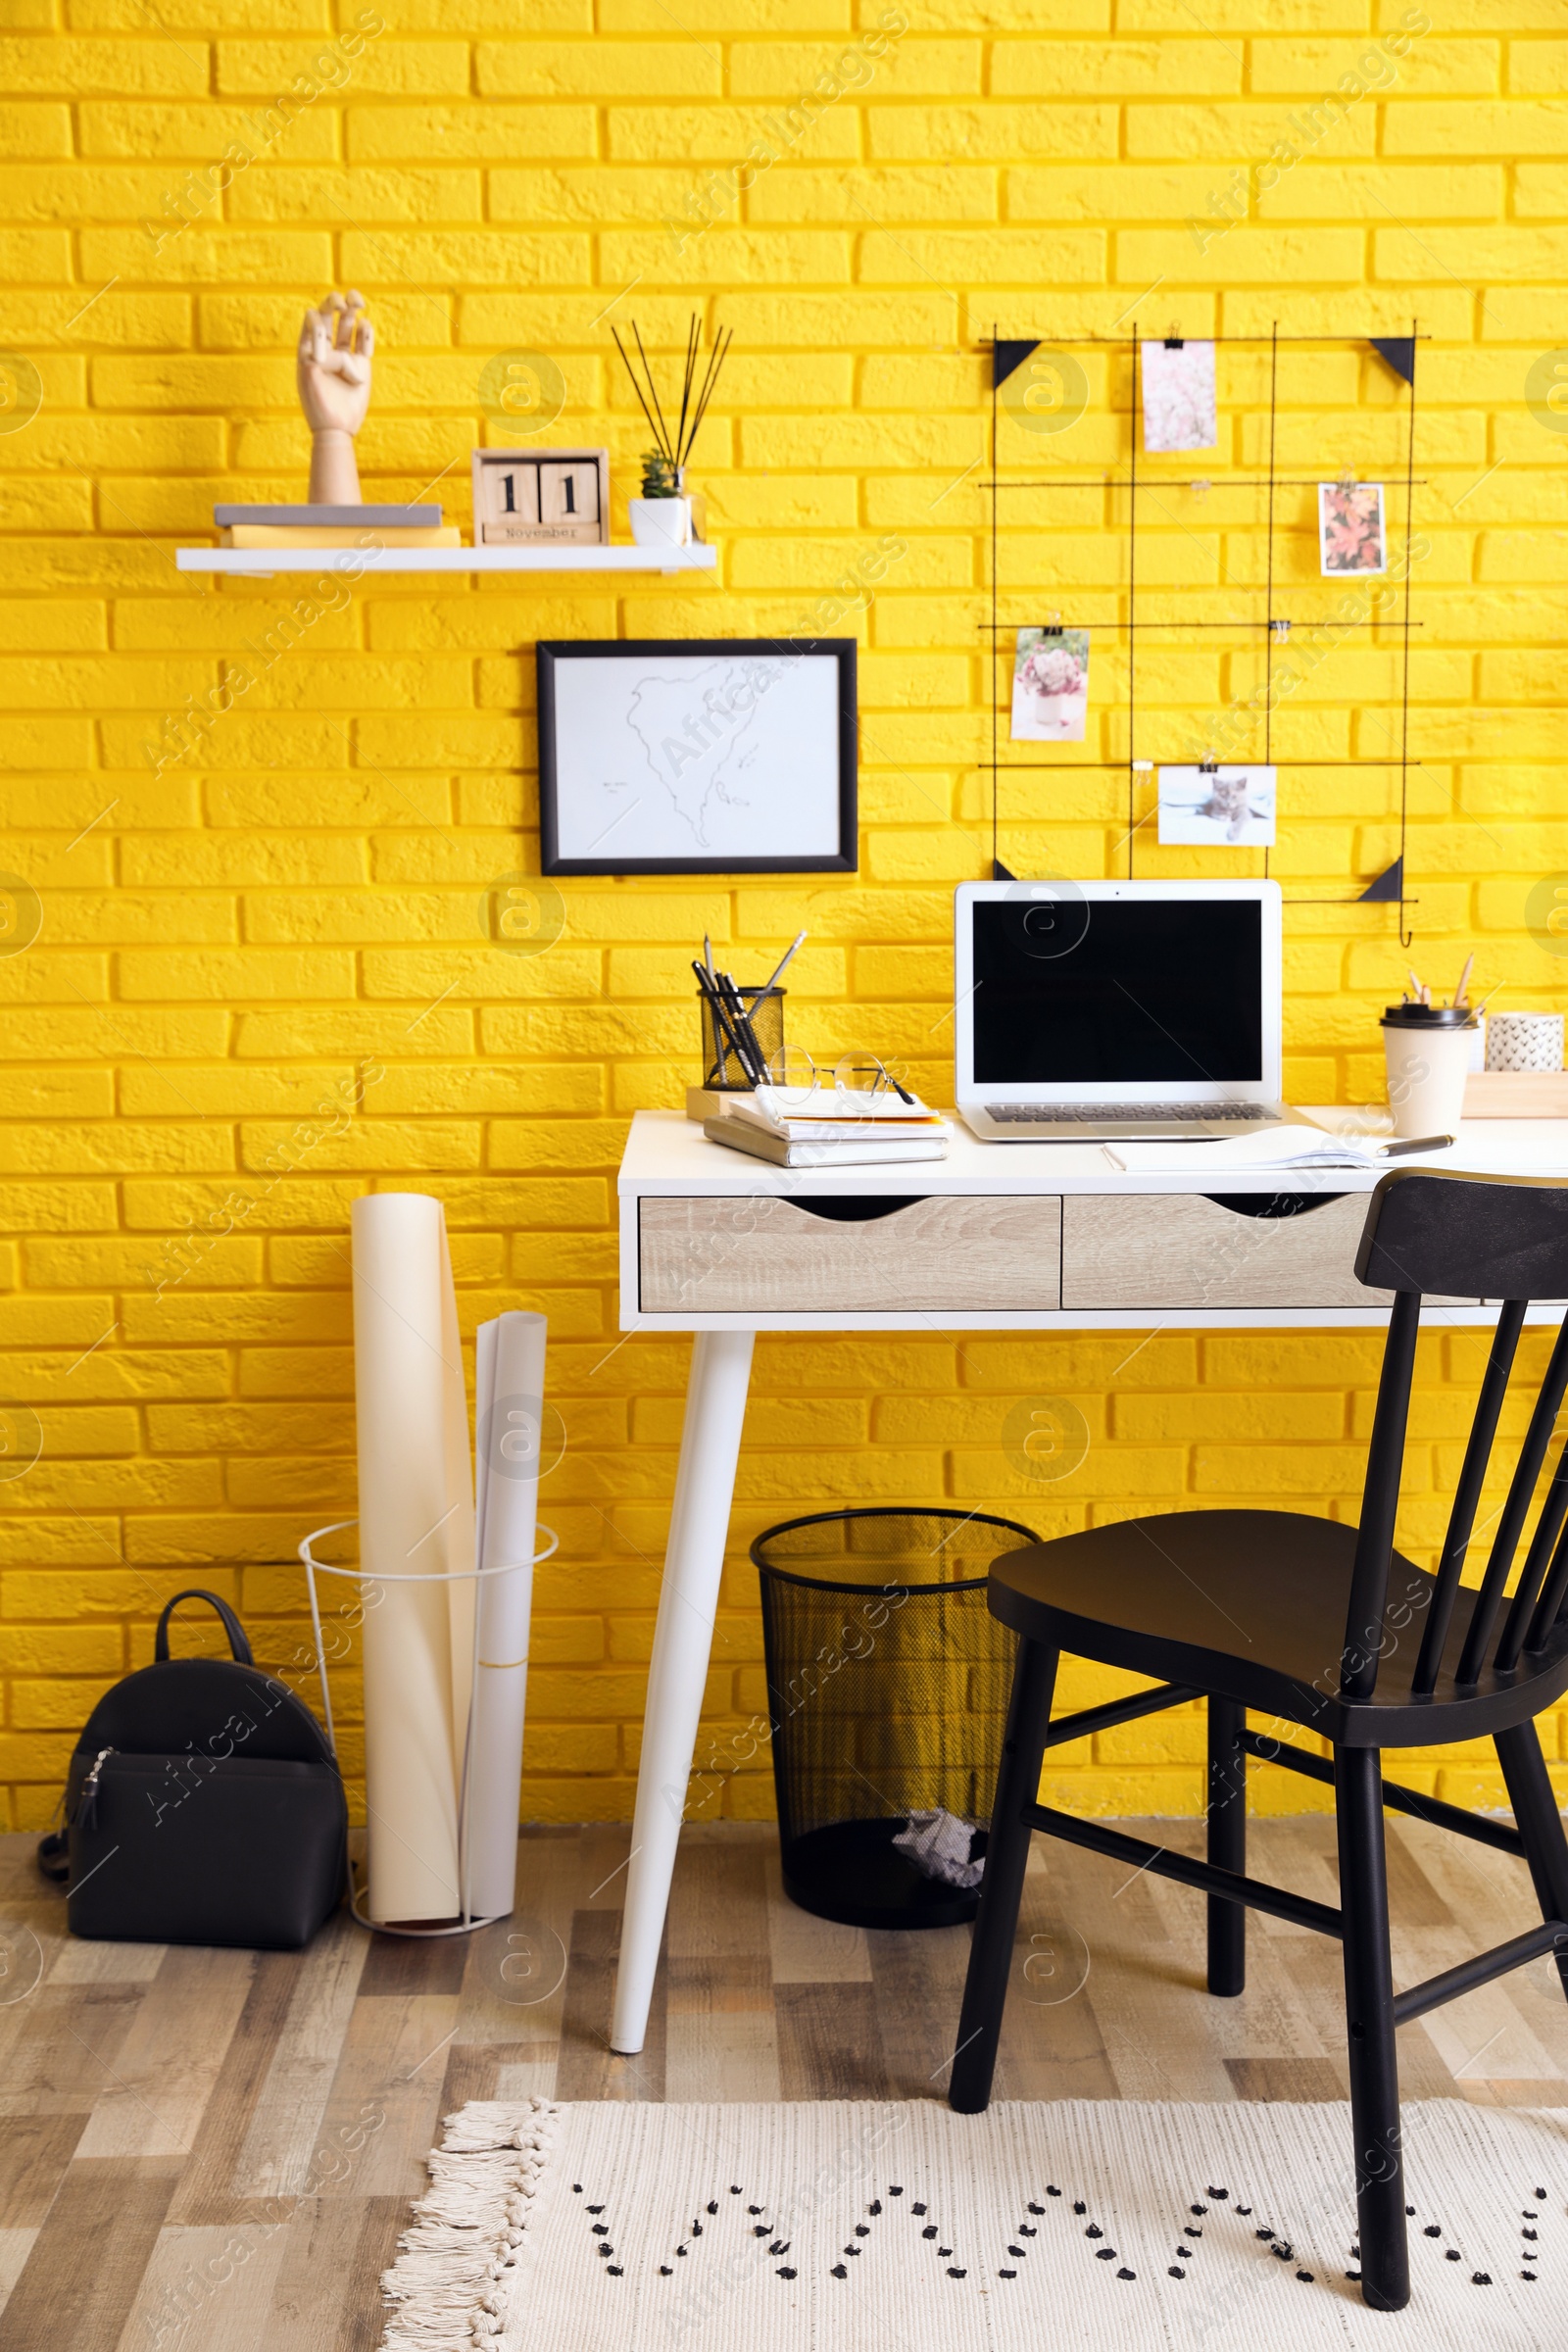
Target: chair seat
1252	1604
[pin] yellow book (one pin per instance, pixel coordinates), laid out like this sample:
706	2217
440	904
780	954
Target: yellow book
270	534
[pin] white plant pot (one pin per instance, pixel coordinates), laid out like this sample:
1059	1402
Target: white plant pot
660	521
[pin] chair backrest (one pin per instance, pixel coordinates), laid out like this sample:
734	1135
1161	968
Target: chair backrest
1504	1238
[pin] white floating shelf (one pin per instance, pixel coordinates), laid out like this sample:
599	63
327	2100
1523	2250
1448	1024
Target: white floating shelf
260	562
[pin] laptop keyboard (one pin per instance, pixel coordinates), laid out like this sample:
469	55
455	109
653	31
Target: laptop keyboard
1077	1115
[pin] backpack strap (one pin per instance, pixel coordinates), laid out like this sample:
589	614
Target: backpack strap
54	1857
238	1643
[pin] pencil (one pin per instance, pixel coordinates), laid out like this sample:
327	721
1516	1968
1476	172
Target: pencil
798	942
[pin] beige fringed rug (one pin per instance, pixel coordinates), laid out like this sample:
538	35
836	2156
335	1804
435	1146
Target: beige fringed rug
815	2228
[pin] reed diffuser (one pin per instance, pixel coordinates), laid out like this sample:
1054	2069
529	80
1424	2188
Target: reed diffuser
662	515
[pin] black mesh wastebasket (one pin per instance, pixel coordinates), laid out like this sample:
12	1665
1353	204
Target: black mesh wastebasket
888	1681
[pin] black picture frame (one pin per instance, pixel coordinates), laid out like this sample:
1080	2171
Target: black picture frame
845	859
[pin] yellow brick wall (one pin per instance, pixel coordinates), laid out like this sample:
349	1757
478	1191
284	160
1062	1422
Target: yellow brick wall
232	939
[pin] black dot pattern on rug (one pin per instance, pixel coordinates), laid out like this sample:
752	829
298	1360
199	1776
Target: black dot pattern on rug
1026	2235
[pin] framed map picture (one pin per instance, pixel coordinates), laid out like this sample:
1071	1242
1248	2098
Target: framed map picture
697	756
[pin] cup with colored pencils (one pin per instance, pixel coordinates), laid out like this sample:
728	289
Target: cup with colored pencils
1428	1050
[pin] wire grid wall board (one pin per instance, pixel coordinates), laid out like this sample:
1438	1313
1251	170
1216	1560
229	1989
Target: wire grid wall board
1218	593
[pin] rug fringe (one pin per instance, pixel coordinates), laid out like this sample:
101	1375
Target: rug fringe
447	2286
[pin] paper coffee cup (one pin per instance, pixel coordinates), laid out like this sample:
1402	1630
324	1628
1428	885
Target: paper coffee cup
1427	1051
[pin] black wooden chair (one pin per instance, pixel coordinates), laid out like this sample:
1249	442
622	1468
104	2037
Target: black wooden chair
1325	1626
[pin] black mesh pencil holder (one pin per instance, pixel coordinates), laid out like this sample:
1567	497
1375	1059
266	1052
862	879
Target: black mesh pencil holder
724	1051
887	1681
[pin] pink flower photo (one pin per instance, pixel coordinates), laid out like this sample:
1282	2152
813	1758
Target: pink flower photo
1051	686
1350	528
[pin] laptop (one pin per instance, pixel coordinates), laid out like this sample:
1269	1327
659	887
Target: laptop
1098	1012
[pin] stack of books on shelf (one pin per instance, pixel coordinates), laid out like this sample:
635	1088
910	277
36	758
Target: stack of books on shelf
832	1127
334	526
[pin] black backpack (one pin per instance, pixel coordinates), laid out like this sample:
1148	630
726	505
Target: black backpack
203	1805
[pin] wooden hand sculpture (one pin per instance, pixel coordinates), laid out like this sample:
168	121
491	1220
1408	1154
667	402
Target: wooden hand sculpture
332	370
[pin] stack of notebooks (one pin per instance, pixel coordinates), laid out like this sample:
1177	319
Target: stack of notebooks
334	526
833	1128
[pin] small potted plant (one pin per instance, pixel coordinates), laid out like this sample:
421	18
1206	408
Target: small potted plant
662	515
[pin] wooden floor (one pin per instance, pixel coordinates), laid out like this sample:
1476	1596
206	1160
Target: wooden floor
216	2150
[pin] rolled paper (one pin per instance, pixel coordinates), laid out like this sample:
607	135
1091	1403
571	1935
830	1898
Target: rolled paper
509	1398
415	1522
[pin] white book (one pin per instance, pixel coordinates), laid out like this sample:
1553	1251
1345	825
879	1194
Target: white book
859	1150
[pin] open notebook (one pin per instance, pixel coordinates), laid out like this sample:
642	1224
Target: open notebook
1297	1145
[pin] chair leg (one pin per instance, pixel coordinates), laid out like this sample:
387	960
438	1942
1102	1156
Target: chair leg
1369	2018
985	1988
1227	1845
1535	1809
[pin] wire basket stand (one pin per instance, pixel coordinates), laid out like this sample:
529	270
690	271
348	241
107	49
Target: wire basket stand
467	1920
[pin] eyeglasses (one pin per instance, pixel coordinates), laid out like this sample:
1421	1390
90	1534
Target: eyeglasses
859	1081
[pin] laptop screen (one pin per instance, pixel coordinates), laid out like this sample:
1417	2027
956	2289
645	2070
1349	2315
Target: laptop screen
1107	992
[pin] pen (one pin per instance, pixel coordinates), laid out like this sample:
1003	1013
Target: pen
742	1021
708	954
1415	1143
722	1021
1464	980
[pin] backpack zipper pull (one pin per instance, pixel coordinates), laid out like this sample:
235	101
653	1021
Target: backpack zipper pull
87	1803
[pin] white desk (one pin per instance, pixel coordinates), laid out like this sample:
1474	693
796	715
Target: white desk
997	1237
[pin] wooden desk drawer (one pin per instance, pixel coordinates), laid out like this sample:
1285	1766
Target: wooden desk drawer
1182	1250
749	1255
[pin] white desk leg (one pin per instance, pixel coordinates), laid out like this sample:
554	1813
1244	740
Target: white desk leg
694	1561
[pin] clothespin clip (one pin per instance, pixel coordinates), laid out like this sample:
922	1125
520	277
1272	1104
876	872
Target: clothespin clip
1209	765
1052	628
1173	340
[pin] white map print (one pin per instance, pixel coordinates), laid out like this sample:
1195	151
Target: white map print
700	734
702	757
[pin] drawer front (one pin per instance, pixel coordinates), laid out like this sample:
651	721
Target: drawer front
762	1255
1179	1250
